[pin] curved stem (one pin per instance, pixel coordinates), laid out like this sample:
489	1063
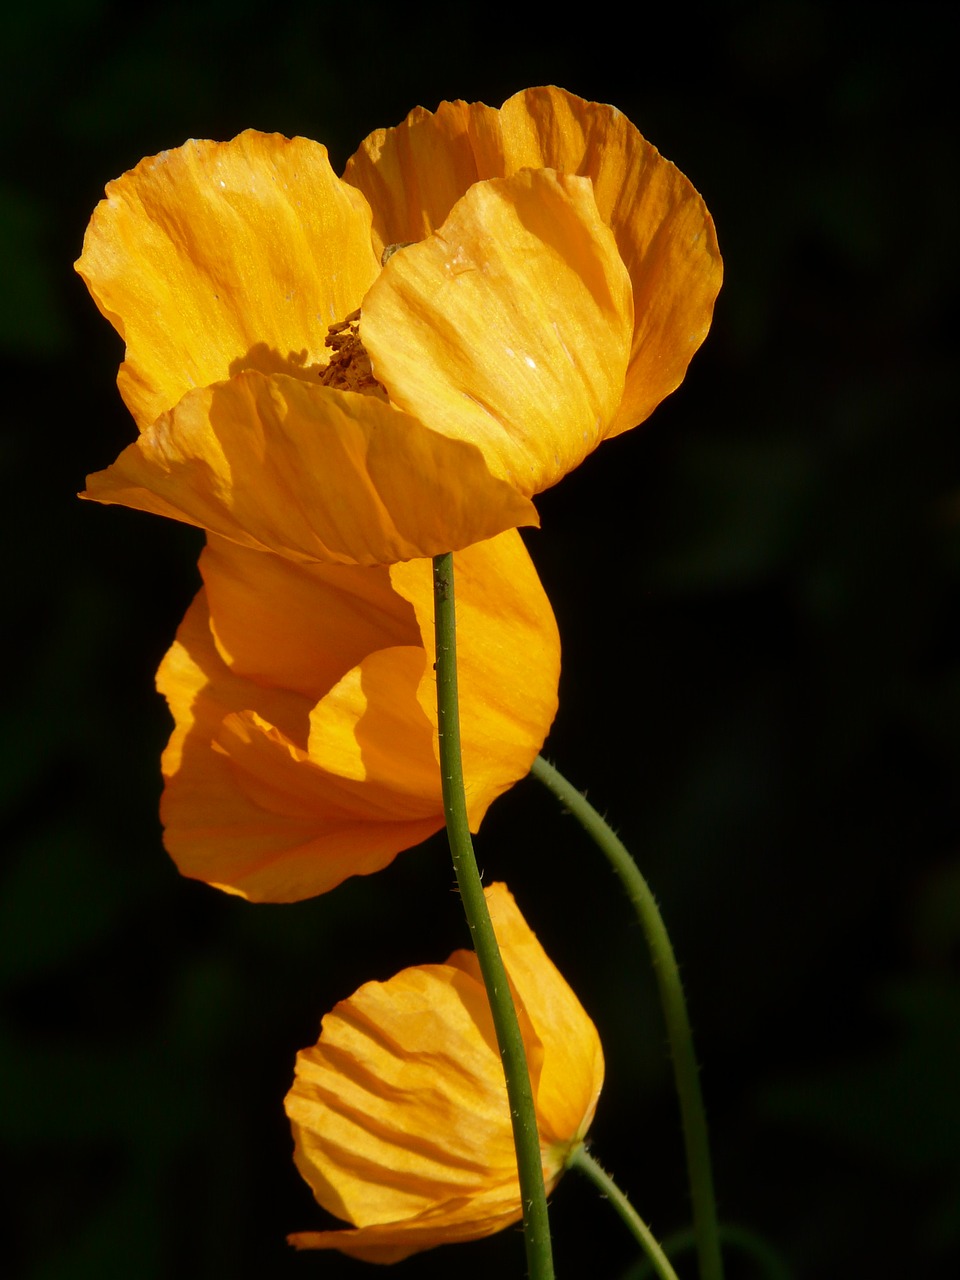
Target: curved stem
770	1263
658	1260
687	1077
536	1226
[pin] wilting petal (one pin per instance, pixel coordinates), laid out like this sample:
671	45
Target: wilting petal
304	699
510	327
311	473
400	1112
222	256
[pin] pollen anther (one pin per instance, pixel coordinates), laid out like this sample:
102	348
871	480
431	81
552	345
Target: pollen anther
349	368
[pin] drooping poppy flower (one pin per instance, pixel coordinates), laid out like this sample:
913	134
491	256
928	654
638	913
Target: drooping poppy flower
301	387
304	699
400	1114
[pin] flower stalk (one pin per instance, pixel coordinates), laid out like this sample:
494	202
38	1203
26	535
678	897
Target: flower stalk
581	1159
679	1034
536	1227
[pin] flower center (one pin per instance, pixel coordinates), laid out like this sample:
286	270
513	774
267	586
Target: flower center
349	368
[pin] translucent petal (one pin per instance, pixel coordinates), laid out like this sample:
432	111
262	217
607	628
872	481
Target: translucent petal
299	626
504	623
246	808
414	174
311	473
509	327
662	228
222	256
402	1103
400	1113
304	700
571	1075
663	231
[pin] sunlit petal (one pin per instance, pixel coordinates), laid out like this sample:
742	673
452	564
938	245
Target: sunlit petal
503	615
510	327
556	277
663	230
400	1114
222	256
304	700
571	1066
311	473
412	175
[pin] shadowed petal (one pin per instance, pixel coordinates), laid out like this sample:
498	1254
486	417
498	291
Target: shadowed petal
395	1241
412	175
304	699
299	627
246	809
311	473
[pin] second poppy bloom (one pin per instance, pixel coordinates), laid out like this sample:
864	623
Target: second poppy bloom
304	699
301	389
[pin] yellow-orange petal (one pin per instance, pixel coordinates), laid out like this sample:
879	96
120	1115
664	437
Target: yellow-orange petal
299	627
509	327
244	807
663	230
291	829
270	826
371	729
401	1105
311	473
201	691
571	1072
412	175
400	1114
222	256
304	745
664	233
504	623
393	1242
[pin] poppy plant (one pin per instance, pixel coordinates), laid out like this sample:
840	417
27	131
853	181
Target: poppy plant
304	699
390	365
400	1114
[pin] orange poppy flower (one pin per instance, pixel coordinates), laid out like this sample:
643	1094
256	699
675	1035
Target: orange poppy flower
400	1114
304	698
302	389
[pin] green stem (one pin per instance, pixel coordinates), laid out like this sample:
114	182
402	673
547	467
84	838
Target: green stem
582	1160
536	1226
770	1263
686	1074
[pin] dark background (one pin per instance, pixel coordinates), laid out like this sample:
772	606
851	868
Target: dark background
758	597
